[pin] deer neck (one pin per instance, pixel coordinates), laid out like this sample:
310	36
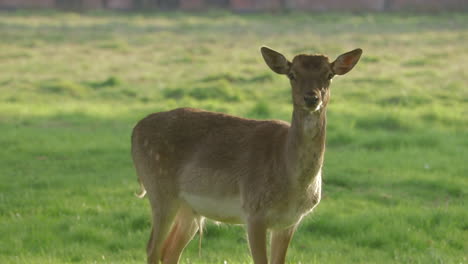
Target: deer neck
306	145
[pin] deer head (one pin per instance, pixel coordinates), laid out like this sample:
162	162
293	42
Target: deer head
310	75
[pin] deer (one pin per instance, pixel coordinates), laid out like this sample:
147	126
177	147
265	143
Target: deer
265	174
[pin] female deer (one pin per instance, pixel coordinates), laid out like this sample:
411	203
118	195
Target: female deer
265	174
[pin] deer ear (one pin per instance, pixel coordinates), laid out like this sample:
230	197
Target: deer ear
345	62
275	60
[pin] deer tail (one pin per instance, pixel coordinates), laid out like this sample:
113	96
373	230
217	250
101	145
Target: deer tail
142	190
200	224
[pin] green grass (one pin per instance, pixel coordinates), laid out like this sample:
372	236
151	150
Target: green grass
72	87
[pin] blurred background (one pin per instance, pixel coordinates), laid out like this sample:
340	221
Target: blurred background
76	76
244	5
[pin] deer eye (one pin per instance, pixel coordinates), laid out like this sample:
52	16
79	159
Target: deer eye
291	76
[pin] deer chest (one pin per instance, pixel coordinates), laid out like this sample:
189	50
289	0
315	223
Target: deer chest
299	204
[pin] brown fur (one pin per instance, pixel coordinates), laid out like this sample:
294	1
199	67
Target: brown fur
273	168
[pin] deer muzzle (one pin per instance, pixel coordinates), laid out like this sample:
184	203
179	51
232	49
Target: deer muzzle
313	102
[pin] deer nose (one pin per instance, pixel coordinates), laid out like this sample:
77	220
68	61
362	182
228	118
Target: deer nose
311	100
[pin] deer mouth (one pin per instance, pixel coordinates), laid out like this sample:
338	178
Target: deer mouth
318	107
313	109
313	102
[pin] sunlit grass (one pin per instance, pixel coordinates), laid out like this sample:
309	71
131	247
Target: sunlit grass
73	85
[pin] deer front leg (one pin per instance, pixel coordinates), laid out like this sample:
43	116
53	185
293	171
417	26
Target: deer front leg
279	244
256	231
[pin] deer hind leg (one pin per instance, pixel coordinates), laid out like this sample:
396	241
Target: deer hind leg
163	216
185	227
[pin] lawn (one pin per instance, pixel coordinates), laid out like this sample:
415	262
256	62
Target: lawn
72	86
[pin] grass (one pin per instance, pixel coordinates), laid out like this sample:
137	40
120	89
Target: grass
73	85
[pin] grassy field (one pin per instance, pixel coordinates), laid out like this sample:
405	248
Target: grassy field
72	87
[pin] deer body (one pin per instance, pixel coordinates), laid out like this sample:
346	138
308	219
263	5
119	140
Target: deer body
265	174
